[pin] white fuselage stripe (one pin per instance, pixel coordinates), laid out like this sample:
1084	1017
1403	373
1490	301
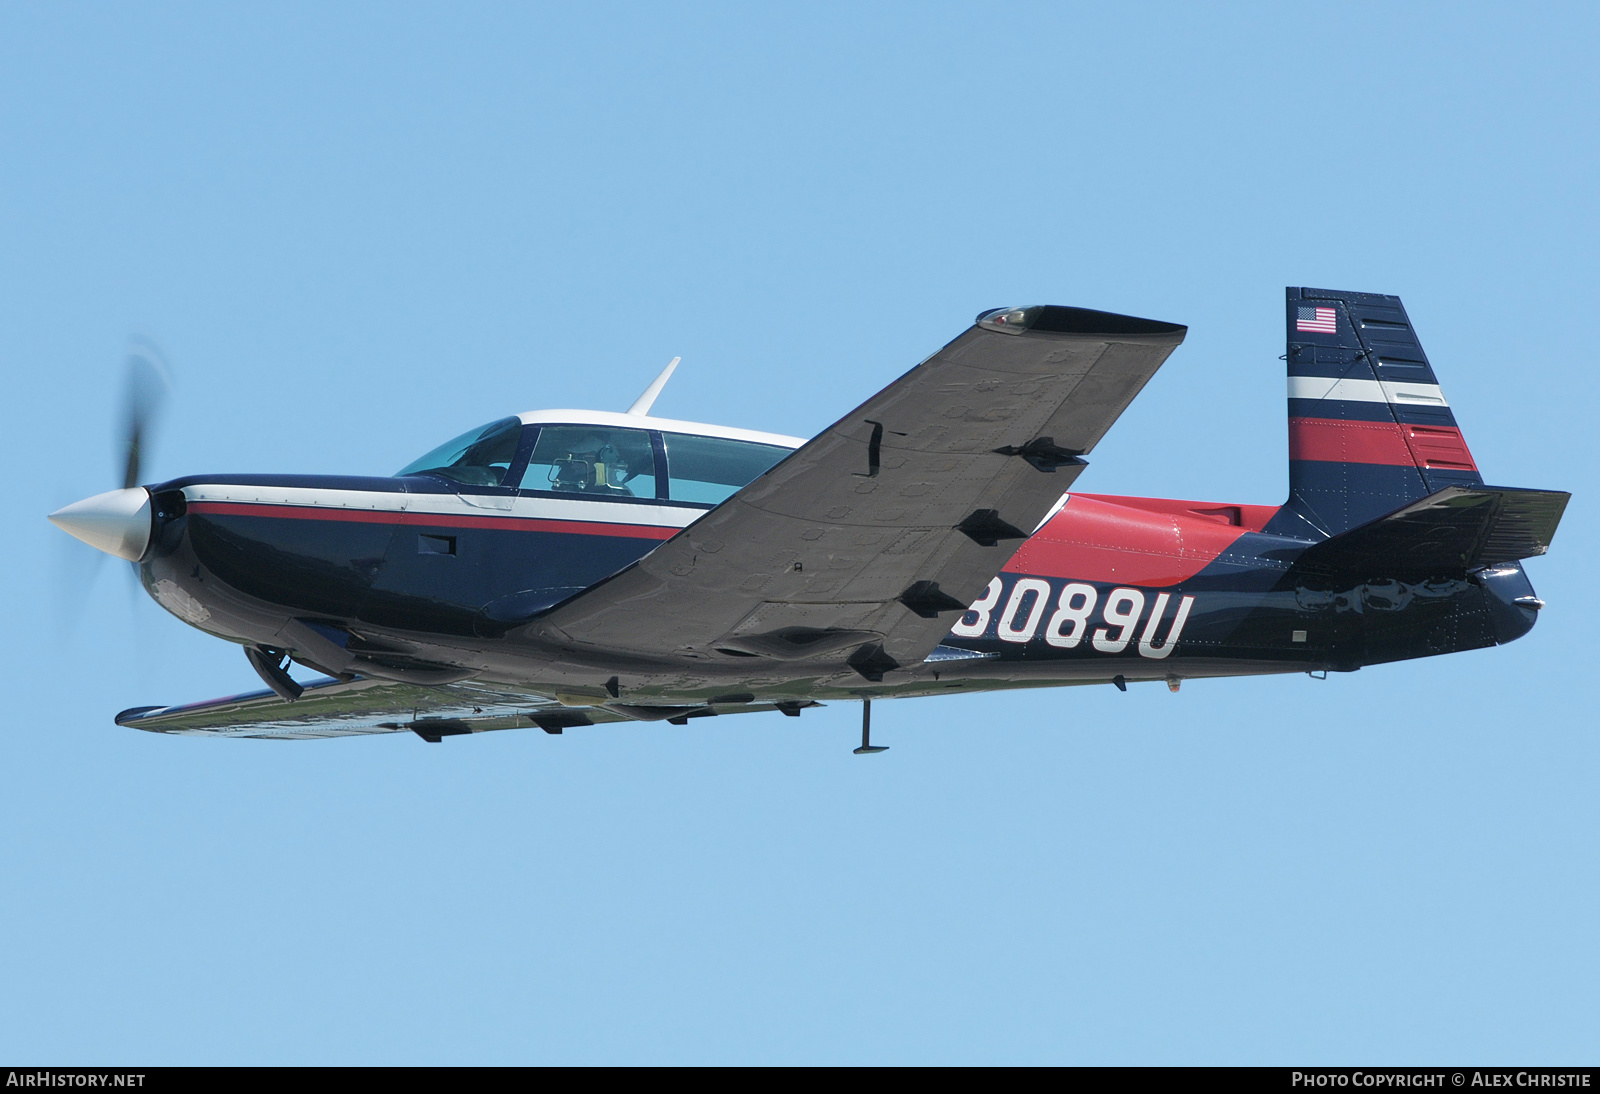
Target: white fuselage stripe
599	512
1366	391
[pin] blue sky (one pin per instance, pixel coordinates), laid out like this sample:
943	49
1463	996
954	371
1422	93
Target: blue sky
358	230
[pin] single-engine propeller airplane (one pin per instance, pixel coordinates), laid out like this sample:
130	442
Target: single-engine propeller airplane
566	568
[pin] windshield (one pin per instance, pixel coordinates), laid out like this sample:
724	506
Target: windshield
480	457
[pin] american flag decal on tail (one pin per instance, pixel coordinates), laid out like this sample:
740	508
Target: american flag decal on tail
1321	320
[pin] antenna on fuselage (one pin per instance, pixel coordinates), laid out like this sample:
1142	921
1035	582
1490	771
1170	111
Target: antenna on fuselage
867	747
641	406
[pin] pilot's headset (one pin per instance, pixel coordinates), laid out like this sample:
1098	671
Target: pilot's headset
610	468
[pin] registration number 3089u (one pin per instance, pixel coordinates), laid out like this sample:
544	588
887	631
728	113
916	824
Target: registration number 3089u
1070	617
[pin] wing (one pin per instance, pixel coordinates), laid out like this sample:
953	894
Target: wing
865	545
331	708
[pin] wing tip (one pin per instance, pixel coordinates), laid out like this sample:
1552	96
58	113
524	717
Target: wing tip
1061	319
131	716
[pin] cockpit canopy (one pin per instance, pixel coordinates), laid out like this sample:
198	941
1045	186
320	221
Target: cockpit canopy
600	461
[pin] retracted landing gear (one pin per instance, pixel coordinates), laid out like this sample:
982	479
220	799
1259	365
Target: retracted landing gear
867	747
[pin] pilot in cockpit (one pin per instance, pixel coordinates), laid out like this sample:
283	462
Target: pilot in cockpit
594	466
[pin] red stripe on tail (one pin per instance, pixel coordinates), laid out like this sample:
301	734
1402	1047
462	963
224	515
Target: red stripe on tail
1333	441
1439	446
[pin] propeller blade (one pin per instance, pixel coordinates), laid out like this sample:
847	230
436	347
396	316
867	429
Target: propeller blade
146	383
145	390
75	570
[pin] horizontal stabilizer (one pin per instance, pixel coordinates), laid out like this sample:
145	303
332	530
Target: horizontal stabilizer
1457	528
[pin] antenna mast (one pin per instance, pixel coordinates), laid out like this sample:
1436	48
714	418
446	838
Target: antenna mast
641	406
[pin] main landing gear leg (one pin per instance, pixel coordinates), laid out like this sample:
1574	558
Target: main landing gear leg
867	747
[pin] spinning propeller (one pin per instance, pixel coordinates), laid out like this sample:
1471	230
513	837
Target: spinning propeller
118	521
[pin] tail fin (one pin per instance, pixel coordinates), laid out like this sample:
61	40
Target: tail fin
1369	429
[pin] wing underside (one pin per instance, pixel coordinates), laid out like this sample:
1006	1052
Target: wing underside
333	708
861	549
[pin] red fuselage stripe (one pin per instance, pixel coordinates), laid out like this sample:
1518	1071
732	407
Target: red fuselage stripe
432	520
1149	542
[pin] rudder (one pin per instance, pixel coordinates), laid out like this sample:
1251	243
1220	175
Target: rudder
1369	428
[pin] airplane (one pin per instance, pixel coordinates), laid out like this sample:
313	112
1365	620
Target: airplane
569	568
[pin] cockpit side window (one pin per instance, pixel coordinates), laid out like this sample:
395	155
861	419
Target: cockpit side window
709	470
480	457
593	462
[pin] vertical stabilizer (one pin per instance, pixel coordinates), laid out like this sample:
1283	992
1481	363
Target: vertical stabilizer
1369	428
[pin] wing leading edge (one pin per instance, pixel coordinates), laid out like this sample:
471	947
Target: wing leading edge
858	552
